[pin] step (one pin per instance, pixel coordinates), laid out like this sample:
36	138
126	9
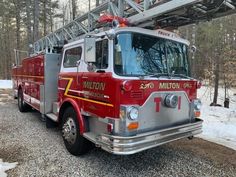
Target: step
52	116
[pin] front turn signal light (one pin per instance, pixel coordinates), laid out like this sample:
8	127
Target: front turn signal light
199	84
197	113
133	126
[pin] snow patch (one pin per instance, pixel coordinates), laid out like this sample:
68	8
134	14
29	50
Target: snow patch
5	84
4	166
219	124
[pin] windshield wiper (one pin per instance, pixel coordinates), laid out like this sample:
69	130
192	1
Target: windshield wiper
181	76
156	75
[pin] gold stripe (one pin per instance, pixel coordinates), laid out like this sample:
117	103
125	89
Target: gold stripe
40	77
80	98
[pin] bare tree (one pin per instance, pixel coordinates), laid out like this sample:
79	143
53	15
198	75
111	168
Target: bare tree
44	19
217	77
36	20
97	2
18	19
29	24
73	3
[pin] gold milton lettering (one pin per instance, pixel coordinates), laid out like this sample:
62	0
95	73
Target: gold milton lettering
94	85
169	86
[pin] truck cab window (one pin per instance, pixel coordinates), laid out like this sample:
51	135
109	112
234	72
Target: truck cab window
72	56
101	54
137	55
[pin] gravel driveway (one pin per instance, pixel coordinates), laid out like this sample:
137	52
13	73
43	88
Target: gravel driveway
41	152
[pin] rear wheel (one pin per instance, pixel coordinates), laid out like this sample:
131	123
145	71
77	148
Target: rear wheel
21	103
74	142
190	137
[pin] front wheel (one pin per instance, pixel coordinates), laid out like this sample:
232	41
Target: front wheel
74	142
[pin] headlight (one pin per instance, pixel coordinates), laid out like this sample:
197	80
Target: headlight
132	113
197	104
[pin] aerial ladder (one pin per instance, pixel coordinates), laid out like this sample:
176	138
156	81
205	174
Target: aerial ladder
150	14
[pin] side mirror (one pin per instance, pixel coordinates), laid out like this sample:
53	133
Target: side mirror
90	49
193	49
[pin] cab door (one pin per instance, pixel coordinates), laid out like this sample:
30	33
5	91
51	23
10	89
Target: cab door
95	83
68	83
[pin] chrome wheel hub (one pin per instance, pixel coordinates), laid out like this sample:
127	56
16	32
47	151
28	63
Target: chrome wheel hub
69	131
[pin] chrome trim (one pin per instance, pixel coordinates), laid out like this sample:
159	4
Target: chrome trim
106	96
76	91
121	145
60	88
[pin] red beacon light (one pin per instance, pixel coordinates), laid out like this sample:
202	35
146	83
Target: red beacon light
199	84
115	20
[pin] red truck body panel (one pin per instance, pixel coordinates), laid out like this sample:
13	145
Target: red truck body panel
29	76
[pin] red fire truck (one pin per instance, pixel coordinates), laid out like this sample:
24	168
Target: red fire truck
125	89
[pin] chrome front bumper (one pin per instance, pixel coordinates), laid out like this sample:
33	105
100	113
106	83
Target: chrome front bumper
129	145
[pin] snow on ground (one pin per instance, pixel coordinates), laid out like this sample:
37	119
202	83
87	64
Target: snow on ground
4	166
219	123
4	84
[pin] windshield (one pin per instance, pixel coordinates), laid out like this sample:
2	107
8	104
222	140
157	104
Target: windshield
139	55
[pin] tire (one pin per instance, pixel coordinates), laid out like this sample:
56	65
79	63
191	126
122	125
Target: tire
74	142
190	137
23	107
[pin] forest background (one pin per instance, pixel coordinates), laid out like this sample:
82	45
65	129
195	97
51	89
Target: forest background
24	21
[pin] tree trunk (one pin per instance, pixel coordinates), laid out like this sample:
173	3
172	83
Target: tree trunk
36	20
6	48
73	9
51	19
44	17
97	3
1	46
17	17
216	72
63	15
28	26
218	54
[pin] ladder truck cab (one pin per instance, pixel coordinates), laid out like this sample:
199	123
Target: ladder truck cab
125	89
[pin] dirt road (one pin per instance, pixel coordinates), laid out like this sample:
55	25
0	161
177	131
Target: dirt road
40	152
